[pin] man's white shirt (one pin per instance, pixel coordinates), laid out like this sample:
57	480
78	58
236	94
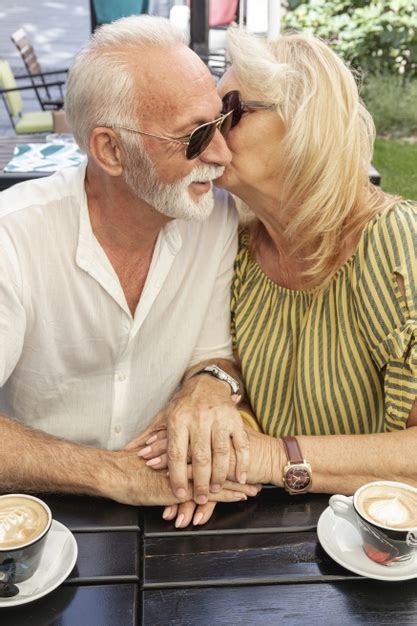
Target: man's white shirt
73	360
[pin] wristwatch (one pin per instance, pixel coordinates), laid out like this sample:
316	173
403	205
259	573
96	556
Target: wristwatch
297	477
220	374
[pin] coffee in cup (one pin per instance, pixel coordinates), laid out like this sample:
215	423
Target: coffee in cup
24	525
389	505
385	514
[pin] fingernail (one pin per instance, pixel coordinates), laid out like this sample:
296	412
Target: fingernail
243	478
215	488
259	488
151	439
166	513
180	493
201	499
153	462
179	520
145	451
197	518
167	473
243	496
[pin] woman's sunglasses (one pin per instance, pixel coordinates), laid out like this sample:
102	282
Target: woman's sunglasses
232	102
199	139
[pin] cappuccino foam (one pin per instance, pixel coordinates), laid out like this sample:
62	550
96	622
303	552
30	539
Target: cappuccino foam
389	506
22	520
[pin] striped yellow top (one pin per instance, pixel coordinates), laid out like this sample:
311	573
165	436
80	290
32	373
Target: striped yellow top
340	359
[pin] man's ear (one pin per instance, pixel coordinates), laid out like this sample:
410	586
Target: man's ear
106	150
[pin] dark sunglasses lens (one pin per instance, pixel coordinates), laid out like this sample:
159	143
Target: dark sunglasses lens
226	125
232	102
199	140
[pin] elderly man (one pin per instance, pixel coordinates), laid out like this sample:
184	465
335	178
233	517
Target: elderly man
114	286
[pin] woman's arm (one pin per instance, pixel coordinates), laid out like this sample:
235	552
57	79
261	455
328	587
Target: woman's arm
341	463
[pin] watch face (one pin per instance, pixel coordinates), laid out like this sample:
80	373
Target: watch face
297	478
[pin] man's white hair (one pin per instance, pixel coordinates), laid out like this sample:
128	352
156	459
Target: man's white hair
101	89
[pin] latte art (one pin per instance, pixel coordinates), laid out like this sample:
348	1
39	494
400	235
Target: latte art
22	520
388	506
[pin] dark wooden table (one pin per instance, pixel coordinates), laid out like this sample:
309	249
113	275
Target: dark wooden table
256	562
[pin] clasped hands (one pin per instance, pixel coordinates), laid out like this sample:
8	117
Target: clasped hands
201	437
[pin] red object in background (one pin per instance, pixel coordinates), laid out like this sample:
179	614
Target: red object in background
222	12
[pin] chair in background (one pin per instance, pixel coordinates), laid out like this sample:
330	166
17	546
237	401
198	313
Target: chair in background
29	122
38	78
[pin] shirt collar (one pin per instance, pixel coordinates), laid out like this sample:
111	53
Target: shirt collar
91	257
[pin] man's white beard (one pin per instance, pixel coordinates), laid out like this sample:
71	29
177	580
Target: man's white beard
171	199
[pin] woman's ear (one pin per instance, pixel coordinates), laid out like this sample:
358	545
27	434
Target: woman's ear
105	148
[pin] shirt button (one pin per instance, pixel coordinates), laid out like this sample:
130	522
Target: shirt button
121	377
117	429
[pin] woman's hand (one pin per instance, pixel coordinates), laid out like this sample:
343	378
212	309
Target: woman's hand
200	514
187	511
154	450
158	423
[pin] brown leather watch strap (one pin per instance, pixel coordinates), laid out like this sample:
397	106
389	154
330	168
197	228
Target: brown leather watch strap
293	450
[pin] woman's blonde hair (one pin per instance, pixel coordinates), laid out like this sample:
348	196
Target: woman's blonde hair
328	142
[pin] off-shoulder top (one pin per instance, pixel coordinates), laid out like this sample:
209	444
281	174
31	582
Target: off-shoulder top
339	359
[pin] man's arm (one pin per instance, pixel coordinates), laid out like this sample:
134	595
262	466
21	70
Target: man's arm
33	461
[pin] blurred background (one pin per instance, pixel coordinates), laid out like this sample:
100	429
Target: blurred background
378	38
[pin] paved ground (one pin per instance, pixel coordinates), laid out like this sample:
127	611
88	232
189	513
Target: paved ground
57	29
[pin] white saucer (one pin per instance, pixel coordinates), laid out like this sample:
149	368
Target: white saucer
343	543
58	559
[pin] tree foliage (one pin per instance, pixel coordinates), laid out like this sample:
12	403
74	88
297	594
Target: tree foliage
376	36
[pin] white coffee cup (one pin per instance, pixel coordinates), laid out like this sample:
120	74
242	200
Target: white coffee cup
385	514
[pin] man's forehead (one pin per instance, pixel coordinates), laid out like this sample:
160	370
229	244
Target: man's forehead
173	80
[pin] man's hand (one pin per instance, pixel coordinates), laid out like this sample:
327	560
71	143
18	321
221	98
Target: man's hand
125	478
202	417
265	456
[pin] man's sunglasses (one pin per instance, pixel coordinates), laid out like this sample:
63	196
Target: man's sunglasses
232	110
232	102
199	139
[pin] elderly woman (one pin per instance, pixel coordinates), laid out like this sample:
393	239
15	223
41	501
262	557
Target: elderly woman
324	298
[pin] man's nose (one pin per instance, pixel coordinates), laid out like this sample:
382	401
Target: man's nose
217	152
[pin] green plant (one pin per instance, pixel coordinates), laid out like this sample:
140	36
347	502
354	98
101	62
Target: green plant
396	161
376	36
392	103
